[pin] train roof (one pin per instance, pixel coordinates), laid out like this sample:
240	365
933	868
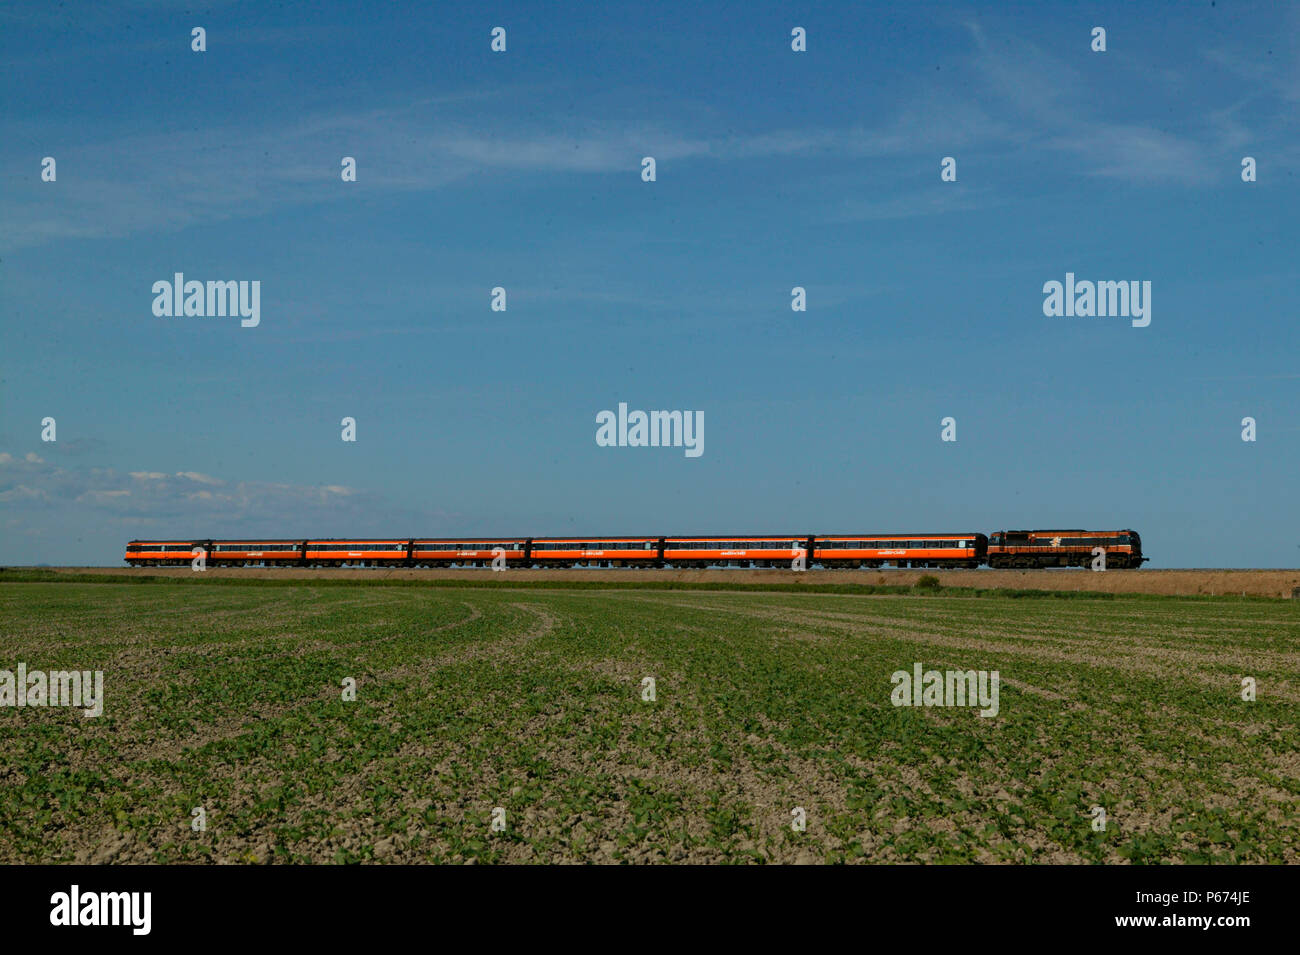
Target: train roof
912	534
1067	530
597	537
732	537
256	540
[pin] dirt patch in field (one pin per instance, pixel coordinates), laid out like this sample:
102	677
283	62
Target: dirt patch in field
493	649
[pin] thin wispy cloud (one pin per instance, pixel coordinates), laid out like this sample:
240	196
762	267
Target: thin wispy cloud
912	204
187	502
167	180
1047	96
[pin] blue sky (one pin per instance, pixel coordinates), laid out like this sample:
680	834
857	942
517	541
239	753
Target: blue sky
774	169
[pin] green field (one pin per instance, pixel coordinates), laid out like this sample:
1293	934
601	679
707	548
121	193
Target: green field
530	699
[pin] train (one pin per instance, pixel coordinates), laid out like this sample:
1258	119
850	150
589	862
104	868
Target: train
966	549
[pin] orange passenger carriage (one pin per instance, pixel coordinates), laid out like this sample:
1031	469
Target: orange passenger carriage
777	550
467	551
959	549
357	553
244	553
595	551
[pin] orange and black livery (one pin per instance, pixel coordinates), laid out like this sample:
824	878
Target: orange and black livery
168	553
737	550
870	549
1065	548
957	549
595	552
